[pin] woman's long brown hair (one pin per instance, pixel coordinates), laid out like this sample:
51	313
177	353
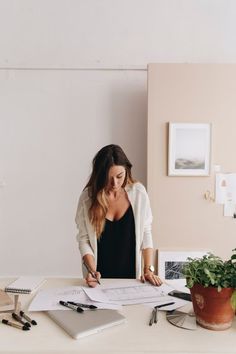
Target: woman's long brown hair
107	157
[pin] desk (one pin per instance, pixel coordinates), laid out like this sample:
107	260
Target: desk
135	336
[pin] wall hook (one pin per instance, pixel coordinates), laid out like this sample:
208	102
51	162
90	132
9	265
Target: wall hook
209	196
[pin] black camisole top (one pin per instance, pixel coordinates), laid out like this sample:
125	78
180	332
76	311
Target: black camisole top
116	248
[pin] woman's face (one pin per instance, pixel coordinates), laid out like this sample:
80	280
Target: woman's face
116	178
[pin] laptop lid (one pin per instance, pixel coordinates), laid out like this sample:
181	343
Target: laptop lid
79	325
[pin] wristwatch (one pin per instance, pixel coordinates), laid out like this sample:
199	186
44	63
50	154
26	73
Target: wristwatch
150	267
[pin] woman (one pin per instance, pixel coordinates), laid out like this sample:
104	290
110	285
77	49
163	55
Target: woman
114	221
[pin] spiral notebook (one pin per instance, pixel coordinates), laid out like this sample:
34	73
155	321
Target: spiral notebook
25	285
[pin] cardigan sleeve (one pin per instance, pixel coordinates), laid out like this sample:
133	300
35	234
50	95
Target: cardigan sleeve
82	235
147	231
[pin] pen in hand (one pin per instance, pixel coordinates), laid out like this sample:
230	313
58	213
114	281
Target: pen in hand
91	272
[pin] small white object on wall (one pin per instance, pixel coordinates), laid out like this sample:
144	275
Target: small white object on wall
225	188
217	168
229	208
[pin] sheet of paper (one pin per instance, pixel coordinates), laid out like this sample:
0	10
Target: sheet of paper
137	294
178	284
229	208
96	294
48	299
177	303
225	188
132	294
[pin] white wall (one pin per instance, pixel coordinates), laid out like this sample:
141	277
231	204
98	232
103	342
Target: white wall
51	125
107	33
72	79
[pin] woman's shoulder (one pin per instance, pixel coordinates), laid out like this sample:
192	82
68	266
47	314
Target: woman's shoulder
84	196
136	187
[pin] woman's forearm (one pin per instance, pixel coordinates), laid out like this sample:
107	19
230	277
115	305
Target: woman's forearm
147	257
89	260
148	273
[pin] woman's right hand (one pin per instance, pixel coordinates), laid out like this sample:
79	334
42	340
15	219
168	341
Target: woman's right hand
91	281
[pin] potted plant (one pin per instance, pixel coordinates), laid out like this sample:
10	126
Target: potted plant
212	283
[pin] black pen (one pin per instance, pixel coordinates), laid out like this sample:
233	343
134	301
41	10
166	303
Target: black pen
154	312
91	272
27	318
152	317
12	324
19	319
155	316
159	306
70	306
91	307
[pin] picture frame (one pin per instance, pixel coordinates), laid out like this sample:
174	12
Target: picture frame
189	149
170	264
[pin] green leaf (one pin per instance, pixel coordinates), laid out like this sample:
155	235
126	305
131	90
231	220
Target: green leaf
211	270
233	300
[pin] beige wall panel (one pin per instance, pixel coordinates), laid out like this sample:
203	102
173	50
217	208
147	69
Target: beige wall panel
199	93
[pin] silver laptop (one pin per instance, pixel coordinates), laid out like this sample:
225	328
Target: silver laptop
79	325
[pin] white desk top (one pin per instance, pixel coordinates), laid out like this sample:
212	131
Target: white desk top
135	336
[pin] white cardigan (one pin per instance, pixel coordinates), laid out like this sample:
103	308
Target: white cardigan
139	201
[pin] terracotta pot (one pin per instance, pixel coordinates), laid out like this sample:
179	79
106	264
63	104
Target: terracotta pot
212	308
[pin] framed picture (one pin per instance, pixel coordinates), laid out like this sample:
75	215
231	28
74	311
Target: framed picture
189	149
170	263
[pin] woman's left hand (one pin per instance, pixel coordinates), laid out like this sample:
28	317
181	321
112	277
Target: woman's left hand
151	277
